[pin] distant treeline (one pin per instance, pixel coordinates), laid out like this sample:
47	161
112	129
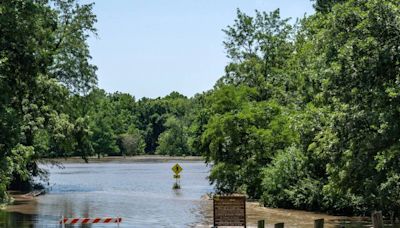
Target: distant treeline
306	115
117	124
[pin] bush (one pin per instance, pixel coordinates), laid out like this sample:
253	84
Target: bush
286	183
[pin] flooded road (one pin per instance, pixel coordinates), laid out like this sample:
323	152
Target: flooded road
140	193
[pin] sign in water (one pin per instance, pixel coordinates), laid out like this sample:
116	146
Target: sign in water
229	211
177	169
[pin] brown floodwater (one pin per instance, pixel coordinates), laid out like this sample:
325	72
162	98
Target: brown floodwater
141	193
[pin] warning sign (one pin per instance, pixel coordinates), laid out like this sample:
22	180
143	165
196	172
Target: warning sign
177	169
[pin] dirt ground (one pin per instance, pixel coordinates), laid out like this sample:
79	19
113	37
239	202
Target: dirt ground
291	218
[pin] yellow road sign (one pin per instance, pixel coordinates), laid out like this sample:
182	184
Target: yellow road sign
177	176
177	169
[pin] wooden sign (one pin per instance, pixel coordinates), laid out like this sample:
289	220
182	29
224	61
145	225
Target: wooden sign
229	211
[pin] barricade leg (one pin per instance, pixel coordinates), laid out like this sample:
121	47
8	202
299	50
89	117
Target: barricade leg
62	222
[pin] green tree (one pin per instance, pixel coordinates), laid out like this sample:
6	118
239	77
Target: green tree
325	6
248	121
174	140
43	57
151	118
259	48
83	136
152	115
104	138
306	116
132	142
359	71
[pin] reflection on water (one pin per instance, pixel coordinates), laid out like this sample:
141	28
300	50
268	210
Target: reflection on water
140	193
16	219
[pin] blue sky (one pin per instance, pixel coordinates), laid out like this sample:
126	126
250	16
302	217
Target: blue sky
149	48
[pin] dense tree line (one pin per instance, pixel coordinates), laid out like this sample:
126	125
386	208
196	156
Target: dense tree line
120	125
306	115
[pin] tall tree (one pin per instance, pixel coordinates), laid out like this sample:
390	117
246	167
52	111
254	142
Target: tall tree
359	59
247	123
43	57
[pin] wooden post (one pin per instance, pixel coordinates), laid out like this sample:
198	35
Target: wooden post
261	224
279	225
319	223
377	219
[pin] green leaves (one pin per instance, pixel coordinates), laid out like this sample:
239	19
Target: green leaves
20	157
132	142
310	120
43	58
325	6
174	140
259	48
74	24
244	133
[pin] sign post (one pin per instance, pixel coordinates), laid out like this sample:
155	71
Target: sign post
177	169
229	211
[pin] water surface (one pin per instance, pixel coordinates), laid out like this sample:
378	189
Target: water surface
140	193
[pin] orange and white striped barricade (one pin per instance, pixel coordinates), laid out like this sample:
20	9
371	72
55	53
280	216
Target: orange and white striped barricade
65	221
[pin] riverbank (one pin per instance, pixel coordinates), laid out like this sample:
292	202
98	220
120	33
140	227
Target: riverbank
291	218
21	203
121	159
